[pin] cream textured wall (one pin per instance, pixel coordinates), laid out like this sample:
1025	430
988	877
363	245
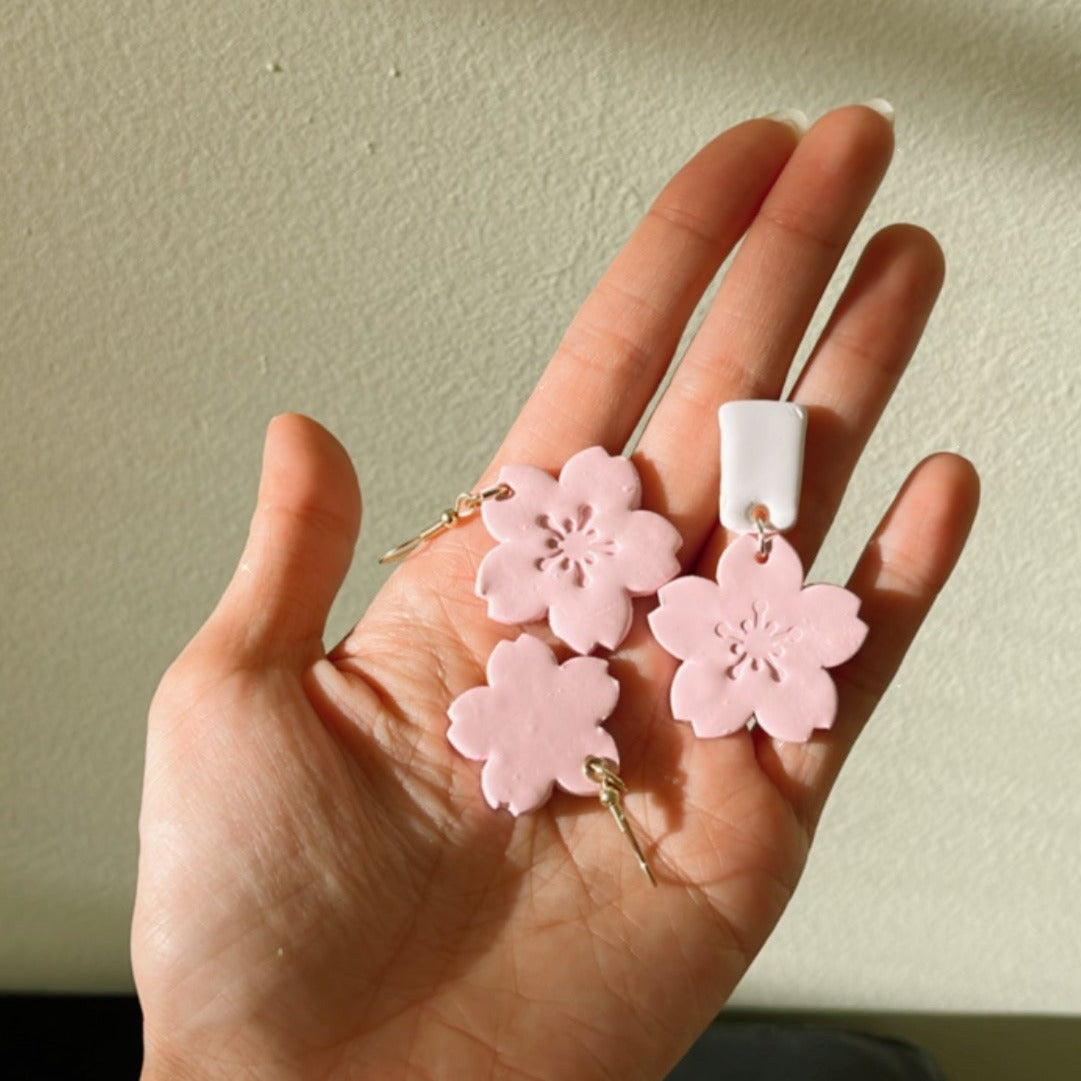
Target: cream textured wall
384	214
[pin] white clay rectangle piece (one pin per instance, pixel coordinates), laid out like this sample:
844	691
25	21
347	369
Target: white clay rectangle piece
761	462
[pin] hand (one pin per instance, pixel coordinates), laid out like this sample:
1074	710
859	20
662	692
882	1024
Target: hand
323	891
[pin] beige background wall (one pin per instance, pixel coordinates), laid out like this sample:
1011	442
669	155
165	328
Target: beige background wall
384	214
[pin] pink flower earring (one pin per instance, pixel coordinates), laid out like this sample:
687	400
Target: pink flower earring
558	711
576	550
757	642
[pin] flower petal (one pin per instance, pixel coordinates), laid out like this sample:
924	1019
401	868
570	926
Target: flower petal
714	704
587	688
516	517
689	611
586	618
471	731
793	708
515	783
524	665
646	554
606	482
508	579
781	575
832	632
572	777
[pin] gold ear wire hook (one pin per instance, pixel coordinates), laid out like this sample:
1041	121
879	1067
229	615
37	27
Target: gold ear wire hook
465	505
603	771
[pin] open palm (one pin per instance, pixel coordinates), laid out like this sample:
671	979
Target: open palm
323	891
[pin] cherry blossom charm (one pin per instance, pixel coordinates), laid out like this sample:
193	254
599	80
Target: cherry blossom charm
576	549
535	724
757	642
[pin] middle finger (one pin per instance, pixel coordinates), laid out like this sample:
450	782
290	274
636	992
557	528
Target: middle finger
749	337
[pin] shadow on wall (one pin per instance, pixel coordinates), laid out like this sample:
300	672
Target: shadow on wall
60	940
1020	64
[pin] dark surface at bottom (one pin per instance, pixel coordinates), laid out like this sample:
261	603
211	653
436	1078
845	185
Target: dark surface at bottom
47	1037
764	1051
43	1037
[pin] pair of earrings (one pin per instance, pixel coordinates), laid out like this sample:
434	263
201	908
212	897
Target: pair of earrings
577	549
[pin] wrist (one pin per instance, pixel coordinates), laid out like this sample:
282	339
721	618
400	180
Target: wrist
161	1063
161	1066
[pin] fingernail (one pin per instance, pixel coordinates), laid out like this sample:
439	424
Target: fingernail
792	118
882	107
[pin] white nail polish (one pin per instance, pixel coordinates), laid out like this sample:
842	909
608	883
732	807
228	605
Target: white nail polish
793	118
882	107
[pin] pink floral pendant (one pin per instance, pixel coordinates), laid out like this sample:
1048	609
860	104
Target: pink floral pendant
757	642
576	549
535	724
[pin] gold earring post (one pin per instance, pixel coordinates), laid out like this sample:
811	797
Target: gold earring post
604	772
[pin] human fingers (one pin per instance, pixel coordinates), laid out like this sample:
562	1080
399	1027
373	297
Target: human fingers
750	335
900	573
299	548
620	343
857	364
854	369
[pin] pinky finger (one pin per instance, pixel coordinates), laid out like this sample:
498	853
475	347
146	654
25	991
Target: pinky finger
900	573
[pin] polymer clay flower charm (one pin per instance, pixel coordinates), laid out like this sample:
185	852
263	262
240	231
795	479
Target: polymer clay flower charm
577	549
535	724
756	642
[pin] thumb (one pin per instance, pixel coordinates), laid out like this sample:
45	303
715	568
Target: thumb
299	548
